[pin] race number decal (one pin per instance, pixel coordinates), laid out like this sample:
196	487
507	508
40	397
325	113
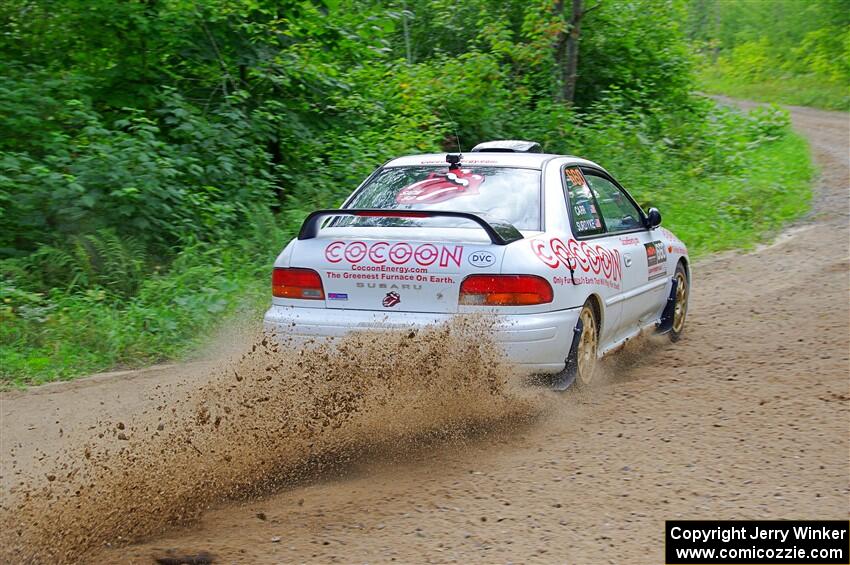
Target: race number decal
575	177
656	259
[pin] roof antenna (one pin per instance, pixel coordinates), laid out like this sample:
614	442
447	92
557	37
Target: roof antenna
453	160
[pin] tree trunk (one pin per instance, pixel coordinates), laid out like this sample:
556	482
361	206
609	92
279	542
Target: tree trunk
560	49
406	33
571	63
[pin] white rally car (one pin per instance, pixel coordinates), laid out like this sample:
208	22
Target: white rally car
553	245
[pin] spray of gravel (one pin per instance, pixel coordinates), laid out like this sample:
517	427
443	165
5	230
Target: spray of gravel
273	417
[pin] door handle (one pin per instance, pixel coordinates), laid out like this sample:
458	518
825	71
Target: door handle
627	259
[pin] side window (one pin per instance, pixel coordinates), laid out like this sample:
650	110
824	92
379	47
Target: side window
617	210
583	213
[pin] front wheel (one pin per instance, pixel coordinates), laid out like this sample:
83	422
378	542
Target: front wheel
680	308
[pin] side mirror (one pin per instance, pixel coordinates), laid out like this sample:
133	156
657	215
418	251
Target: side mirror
653	218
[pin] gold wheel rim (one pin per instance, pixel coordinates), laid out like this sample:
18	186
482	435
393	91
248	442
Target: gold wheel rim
587	346
681	308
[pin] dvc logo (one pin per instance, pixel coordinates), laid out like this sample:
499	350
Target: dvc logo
481	259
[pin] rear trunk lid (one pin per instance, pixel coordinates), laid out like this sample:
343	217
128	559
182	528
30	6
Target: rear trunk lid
401	269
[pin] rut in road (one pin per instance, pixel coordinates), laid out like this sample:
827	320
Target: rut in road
273	417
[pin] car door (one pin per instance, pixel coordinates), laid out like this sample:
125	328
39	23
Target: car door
643	256
596	257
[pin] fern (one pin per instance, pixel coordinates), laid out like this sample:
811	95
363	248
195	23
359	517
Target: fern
98	260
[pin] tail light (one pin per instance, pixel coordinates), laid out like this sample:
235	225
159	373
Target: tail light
505	290
304	284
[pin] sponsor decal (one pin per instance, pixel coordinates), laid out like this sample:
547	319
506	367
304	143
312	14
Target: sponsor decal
439	187
584	209
626	240
481	259
337	296
676	249
421	278
656	259
391	299
581	257
588	225
385	256
466	161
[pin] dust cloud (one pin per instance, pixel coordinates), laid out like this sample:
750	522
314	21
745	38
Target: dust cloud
274	416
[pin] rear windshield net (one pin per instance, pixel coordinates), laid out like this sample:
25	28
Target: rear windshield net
498	193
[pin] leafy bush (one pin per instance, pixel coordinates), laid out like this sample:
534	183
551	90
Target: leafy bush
196	182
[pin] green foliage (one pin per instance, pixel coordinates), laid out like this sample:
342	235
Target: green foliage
101	259
156	156
60	333
805	90
640	47
775	50
194	181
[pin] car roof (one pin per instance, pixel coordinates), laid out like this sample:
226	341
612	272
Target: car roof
495	159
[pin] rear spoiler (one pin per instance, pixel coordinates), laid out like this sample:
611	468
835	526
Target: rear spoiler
501	233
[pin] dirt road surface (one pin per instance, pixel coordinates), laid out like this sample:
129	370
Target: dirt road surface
747	417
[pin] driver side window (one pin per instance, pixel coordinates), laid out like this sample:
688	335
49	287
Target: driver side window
618	212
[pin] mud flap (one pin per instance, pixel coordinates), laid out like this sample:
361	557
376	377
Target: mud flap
567	377
665	324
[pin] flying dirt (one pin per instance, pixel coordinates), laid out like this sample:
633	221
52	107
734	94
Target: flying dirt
426	448
268	419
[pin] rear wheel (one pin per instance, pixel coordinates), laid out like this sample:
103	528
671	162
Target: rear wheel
587	345
680	310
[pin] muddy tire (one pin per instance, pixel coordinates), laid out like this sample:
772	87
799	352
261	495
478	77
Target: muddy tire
680	309
586	360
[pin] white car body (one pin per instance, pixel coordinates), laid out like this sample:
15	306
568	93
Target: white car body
628	273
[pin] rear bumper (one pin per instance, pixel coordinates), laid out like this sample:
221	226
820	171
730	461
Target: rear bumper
537	343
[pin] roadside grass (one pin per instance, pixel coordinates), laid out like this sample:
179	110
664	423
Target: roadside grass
174	314
798	90
718	214
760	185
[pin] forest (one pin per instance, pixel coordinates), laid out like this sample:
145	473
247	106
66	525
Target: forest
791	51
155	155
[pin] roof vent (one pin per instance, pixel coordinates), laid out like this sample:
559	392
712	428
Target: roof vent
507	146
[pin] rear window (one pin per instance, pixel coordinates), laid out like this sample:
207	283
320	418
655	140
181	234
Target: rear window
499	193
584	215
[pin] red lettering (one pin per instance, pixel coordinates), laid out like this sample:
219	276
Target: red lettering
426	254
580	255
331	251
617	271
539	248
592	257
400	253
561	252
575	251
373	252
605	261
455	255
355	252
